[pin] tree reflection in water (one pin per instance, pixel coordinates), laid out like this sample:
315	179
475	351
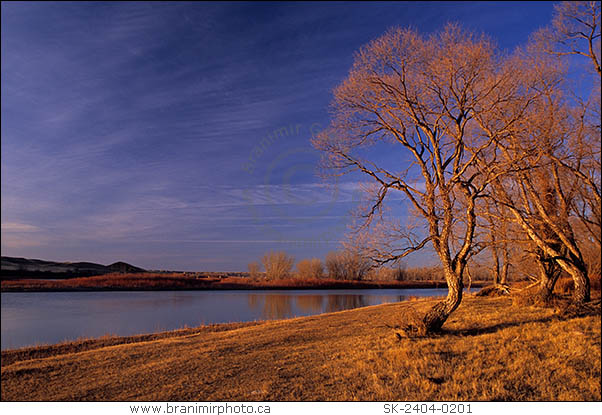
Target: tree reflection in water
278	306
275	306
310	303
344	302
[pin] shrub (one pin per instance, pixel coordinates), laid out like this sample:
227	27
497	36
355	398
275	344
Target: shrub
277	265
310	268
347	265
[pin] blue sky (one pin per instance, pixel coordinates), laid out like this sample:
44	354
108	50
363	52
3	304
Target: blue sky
176	135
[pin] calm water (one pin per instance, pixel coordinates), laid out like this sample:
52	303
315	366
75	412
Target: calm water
37	318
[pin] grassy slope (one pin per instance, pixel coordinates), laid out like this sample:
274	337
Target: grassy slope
491	350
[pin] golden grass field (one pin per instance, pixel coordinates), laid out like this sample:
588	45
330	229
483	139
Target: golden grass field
490	350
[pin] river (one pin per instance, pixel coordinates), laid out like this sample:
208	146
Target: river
52	317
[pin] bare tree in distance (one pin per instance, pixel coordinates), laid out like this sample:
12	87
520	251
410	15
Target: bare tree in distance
417	98
385	273
310	268
347	265
278	265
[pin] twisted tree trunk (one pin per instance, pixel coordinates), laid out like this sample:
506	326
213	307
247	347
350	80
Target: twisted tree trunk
581	291
548	275
436	316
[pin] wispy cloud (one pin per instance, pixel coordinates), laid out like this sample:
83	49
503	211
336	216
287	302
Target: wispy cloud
18	227
129	123
245	241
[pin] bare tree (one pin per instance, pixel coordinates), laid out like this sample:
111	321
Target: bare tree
384	273
503	236
538	193
310	268
575	30
583	167
277	265
347	265
564	181
420	96
335	266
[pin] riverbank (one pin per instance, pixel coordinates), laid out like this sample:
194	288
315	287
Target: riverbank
183	281
490	350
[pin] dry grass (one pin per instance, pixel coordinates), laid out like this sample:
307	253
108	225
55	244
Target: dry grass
491	350
84	344
527	293
108	281
565	285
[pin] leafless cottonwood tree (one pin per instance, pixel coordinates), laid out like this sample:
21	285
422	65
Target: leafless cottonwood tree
547	265
561	132
575	30
539	194
416	98
501	229
506	241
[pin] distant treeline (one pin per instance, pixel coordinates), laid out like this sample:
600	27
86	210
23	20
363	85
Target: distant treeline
347	265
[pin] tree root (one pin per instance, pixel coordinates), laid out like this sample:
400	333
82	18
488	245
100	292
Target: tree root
497	290
411	331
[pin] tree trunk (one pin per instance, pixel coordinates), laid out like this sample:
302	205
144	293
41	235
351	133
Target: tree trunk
496	274
505	266
436	316
581	291
548	275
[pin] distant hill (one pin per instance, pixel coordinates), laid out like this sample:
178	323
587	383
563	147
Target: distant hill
13	268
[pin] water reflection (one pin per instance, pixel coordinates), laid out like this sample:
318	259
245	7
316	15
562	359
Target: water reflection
279	306
344	302
310	303
273	306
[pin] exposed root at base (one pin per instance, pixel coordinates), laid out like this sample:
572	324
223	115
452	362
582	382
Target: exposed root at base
412	330
494	291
